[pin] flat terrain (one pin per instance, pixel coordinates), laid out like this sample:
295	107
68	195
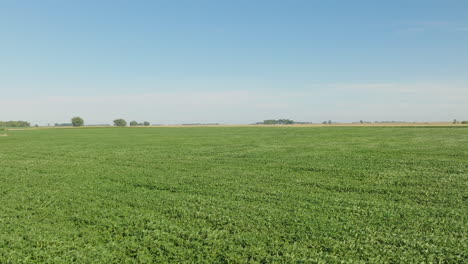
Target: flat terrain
234	195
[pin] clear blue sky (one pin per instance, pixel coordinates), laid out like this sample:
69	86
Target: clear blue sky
233	61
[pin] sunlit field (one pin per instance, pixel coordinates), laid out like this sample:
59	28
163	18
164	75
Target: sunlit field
234	195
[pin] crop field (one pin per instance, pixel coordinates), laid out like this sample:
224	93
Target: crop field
234	195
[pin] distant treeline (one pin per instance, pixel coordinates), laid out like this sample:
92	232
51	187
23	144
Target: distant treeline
14	124
460	122
281	122
63	124
276	122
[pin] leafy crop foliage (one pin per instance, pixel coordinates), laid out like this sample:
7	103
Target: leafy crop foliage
234	195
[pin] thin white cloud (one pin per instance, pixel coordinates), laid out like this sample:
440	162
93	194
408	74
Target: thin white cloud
433	26
456	88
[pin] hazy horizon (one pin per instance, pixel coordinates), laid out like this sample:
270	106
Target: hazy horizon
233	62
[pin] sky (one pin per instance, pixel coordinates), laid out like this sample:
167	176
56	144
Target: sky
233	61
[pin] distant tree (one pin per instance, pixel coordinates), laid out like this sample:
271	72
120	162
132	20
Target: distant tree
455	121
362	122
133	123
146	123
464	122
324	122
329	122
77	121
120	122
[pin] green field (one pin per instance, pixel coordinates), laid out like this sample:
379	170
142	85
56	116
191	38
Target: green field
234	195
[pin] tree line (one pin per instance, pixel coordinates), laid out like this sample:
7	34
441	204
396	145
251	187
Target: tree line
14	124
276	122
78	121
460	122
121	122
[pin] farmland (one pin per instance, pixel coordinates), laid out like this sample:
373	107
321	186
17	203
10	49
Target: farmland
234	195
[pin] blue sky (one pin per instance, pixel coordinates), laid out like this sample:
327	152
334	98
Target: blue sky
233	61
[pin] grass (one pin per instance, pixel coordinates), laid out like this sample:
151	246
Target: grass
234	195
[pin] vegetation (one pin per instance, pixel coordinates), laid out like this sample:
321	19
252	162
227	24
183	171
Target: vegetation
146	123
277	122
120	122
134	123
464	122
234	195
14	124
63	124
77	121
